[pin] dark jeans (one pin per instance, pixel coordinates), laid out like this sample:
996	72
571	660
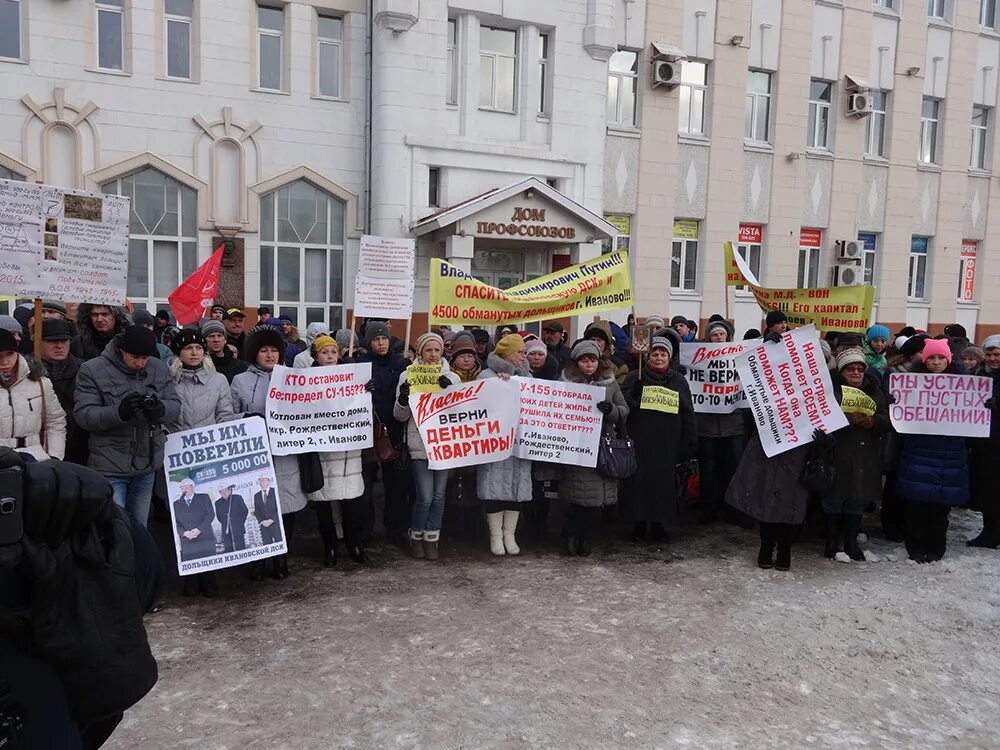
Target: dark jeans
398	489
926	529
356	514
893	512
718	458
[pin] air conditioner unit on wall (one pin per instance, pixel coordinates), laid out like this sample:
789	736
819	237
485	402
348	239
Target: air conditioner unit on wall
849	250
666	74
860	104
849	274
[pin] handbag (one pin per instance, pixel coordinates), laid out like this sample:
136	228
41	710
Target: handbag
616	453
402	461
310	472
383	448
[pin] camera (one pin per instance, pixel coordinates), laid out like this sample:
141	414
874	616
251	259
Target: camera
149	401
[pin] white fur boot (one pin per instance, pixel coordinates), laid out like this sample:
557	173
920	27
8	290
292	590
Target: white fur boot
509	525
495	520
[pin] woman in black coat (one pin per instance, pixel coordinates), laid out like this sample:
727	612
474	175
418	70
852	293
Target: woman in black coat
662	440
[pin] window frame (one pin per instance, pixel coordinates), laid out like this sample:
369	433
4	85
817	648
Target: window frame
685	119
619	76
169	18
915	264
496	57
752	101
930	132
22	21
544	52
434	187
869	260
816	107
880	116
451	63
932	9
981	139
988	14
280	35
108	7
322	41
679	262
746	251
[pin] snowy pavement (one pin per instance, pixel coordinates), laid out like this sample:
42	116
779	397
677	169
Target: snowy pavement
684	646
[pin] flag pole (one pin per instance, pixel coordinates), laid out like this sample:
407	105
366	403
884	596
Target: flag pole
350	348
37	332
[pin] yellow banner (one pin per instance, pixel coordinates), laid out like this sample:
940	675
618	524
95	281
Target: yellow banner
838	308
685	229
856	401
658	398
603	283
423	378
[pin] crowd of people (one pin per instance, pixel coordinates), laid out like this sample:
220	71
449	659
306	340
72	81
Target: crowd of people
107	388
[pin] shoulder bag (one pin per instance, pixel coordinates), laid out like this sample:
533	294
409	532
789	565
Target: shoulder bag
616	453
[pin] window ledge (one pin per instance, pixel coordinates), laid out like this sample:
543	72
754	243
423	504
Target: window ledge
498	111
989	33
940	23
542	117
886	12
831	3
690	294
109	72
923	166
451	105
918	303
323	98
624	130
758	146
977	172
966	305
13	60
877	161
171	79
819	153
694	140
278	92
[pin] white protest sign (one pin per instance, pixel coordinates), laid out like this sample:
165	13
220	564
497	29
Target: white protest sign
712	376
789	390
319	409
559	422
63	244
469	424
224	503
940	404
383	287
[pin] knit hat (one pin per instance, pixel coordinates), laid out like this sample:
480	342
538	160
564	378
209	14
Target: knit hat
464	341
143	318
593	329
7	323
54	306
715	317
343	337
322	341
138	341
481	335
724	325
992	342
263	309
774	317
374	329
912	345
751	333
208	327
585	347
426	338
261	336
535	345
218	308
7	341
662	342
955	331
508	345
186	337
57	330
850	357
935	346
161	314
900	340
655	321
975	353
678	319
877	332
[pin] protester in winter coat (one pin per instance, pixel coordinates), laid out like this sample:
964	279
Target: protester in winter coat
662	440
984	456
933	472
600	332
542	364
554	336
32	420
875	344
974	360
386	369
223	359
585	490
344	338
464	361
96	325
680	324
958	339
236	335
431	484
775	322
856	457
305	357
908	355
504	485
544	475
294	343
122	399
265	348
62	368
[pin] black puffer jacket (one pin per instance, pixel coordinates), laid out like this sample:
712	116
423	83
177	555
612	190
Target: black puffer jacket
228	365
63	377
88	343
386	369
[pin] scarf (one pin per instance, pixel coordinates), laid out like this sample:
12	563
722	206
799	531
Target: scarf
875	361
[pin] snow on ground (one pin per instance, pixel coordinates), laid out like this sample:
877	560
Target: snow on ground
687	645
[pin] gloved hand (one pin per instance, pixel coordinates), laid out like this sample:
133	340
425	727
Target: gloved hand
822	440
990	403
444	381
863	421
772	338
404	393
153	409
370	386
604	407
130	406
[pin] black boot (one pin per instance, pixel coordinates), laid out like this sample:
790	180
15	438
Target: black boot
852	527
208	584
588	523
330	556
832	525
190	586
571	531
989	537
765	557
257	571
639	532
783	559
657	533
279	567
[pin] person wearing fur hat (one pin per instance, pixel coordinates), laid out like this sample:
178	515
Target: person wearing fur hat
205	400
96	325
32	420
341	500
464	361
874	347
431	484
974	359
584	490
984	455
304	358
662	440
265	348
600	333
856	457
223	359
933	471
504	486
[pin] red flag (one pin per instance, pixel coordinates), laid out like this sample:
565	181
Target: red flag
190	300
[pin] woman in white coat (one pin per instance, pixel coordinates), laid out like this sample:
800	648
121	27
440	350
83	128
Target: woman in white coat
31	419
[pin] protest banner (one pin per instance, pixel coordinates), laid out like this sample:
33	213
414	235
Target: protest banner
789	390
468	425
712	376
69	245
224	504
383	287
940	404
559	422
325	409
456	298
423	378
838	308
658	398
856	401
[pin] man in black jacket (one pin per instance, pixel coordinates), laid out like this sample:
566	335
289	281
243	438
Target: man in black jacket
265	509
193	514
236	335
232	512
554	336
222	356
62	368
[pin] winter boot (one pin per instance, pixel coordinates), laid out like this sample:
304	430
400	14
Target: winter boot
989	537
208	585
417	544
495	521
639	532
832	526
783	559
190	587
657	533
330	556
765	557
509	526
852	527
280	570
431	544
257	571
571	531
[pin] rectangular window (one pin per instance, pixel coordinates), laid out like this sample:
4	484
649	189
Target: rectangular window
757	124
543	77
820	98
111	34
875	132
178	15
451	96
988	13
919	250
751	243
270	47
935	8
810	244
623	223
693	98
978	158
967	271
434	186
684	257
870	244
890	4
497	68
623	76
329	54
10	29
929	119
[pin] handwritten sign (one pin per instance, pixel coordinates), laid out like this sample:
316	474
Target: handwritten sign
712	375
658	398
383	287
559	422
423	378
940	404
856	401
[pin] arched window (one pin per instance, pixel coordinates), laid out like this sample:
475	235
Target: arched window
302	254
163	249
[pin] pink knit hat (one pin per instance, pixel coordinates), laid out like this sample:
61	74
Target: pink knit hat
936	346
